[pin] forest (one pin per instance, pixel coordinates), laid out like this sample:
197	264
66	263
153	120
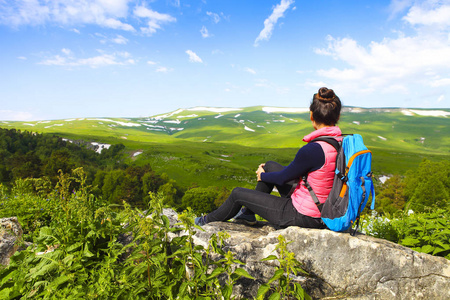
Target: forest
68	195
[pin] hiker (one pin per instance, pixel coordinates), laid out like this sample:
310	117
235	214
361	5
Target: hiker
294	206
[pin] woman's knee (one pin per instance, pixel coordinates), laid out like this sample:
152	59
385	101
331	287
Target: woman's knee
272	166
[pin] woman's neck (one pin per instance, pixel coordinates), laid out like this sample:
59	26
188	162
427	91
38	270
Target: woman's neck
319	126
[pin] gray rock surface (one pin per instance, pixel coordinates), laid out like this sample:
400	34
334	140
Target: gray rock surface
10	233
340	266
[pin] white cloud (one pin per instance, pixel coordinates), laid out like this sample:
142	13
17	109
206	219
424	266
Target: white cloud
395	65
163	70
193	57
66	12
440	99
215	17
22	58
440	82
66	51
155	19
251	71
436	15
270	22
120	40
102	60
398	6
204	32
151	62
75	30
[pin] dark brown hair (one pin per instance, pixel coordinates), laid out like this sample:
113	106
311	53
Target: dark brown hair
326	107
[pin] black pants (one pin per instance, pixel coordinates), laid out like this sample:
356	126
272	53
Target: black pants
279	211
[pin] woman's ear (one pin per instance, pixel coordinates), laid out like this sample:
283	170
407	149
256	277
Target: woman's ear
311	116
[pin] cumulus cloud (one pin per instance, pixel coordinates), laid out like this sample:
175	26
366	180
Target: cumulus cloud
272	20
395	64
120	40
66	12
204	32
163	70
215	17
154	19
193	57
425	15
102	60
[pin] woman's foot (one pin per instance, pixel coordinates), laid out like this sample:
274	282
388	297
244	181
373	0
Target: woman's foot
248	219
200	221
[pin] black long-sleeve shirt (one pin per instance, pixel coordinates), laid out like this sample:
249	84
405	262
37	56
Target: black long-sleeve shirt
309	158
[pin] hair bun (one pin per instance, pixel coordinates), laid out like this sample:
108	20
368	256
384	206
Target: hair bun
326	94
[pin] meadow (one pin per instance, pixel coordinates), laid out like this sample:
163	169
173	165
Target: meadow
222	147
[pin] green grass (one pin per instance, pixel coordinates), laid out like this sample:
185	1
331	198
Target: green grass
222	151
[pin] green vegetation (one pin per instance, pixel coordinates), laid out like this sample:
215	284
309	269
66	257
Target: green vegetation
78	250
205	148
75	218
426	232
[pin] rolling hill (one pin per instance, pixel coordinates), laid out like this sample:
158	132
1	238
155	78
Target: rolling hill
222	146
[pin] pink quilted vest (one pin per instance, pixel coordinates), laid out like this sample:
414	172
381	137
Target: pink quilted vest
320	180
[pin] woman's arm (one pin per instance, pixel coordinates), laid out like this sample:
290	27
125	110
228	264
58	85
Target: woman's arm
308	158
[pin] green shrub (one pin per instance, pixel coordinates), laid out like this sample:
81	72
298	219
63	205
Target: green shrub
76	253
427	232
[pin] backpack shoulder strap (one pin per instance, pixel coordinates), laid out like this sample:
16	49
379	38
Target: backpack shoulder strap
330	140
311	192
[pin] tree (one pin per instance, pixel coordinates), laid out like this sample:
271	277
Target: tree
428	186
391	195
201	200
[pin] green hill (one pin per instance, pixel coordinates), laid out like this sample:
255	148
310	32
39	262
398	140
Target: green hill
223	146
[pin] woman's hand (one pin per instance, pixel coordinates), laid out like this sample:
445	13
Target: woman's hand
259	171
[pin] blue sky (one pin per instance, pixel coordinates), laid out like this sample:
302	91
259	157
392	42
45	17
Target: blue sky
123	58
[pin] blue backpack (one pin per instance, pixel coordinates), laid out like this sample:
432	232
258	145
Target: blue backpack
352	184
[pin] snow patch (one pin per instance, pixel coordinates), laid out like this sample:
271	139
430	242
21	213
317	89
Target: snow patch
70	120
117	122
285	109
382	138
218	116
249	129
173	121
154	126
213	109
53	125
355	110
137	153
427	113
237	116
278	121
29	124
161	117
188	116
431	113
100	146
384	178
356	122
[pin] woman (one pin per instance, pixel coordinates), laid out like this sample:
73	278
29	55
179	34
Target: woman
315	160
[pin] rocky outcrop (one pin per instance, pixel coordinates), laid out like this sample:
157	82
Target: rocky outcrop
10	233
340	266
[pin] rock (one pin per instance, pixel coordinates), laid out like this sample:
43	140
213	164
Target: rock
10	233
340	266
